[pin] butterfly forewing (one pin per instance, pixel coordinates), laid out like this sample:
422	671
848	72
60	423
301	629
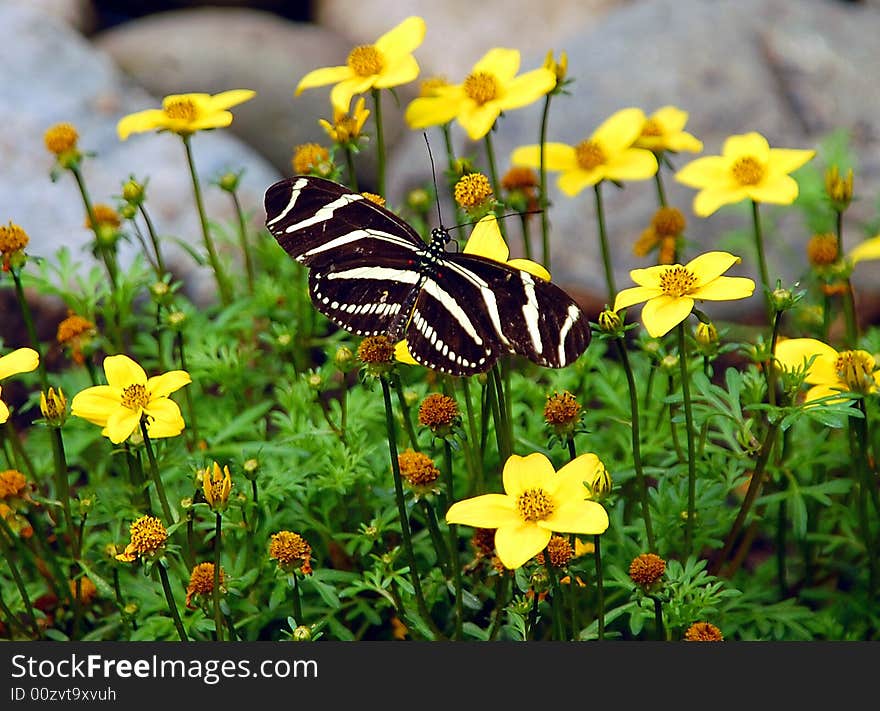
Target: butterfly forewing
371	273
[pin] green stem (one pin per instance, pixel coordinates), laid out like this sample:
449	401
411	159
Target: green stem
636	442
222	282
169	598
762	260
401	503
689	432
526	235
770	365
243	241
493	175
154	239
29	325
297	602
218	616
859	452
187	395
600	588
349	165
500	600
12	622
450	161
658	619
136	477
405	415
453	540
436	536
603	244
7	533
499	411
542	181
380	143
108	254
658	181
478	485
157	479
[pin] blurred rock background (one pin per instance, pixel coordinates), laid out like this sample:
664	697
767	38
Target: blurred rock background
794	70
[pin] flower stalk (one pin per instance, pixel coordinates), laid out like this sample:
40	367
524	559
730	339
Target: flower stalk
689	433
603	244
169	599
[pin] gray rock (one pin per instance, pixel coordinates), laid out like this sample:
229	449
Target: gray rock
212	49
52	74
791	71
79	14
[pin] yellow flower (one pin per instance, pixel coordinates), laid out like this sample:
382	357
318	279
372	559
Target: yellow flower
201	582
537	501
747	168
21	360
664	131
129	396
387	63
346	127
185	113
492	87
291	551
216	485
671	290
869	249
608	154
831	372
148	537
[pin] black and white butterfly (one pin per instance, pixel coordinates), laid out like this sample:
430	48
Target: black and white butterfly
371	273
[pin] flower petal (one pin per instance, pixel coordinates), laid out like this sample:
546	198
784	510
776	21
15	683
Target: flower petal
121	423
96	404
751	144
486	511
711	265
619	131
779	190
165	384
216	119
573	181
663	313
21	360
649	276
817	392
340	95
527	265
403	71
501	62
518	544
402	354
671	118
631	164
787	160
527	88
166	418
557	156
634	295
707	201
581	516
869	249
401	39
704	172
140	122
792	353
432	110
684	141
323	77
570	479
4	412
521	473
725	288
227	99
478	120
486	240
121	371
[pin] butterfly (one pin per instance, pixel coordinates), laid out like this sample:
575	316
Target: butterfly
372	274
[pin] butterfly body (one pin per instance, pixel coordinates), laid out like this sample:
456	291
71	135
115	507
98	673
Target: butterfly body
372	274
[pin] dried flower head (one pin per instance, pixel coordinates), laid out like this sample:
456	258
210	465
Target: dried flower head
562	412
703	632
483	541
201	582
647	569
87	590
148	537
12	484
105	215
75	333
439	413
473	191
13	240
291	551
668	222
61	139
419	470
311	158
559	550
823	249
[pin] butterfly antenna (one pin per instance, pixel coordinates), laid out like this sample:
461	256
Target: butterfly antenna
434	178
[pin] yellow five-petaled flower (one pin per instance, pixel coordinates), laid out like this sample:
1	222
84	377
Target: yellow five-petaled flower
830	372
746	168
185	113
536	501
664	131
21	360
608	154
386	63
670	290
130	396
492	87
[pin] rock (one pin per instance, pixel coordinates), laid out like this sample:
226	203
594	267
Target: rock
792	71
460	31
52	74
212	49
79	14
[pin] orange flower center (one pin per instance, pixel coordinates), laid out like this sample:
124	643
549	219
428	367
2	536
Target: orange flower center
677	281
534	505
481	87
589	154
365	60
747	171
135	397
856	368
180	109
652	128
